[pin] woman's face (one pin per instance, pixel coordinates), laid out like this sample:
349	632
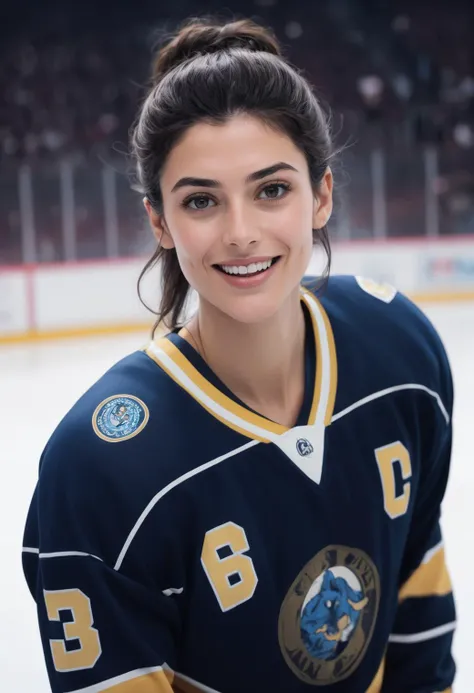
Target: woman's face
239	209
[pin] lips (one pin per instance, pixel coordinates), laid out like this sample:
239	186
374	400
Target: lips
245	280
248	268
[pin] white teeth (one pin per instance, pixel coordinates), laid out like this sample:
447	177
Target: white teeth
246	269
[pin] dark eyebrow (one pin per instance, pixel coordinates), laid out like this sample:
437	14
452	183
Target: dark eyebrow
210	183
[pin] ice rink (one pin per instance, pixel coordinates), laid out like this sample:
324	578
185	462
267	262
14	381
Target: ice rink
39	382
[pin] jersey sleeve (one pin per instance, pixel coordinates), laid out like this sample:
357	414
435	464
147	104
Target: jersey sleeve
419	655
103	627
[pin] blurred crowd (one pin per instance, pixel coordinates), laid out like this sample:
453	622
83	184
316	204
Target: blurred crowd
397	75
67	97
75	90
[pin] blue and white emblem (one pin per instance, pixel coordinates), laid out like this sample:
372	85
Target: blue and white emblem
119	418
328	616
304	447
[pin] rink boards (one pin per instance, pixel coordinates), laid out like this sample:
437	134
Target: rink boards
82	298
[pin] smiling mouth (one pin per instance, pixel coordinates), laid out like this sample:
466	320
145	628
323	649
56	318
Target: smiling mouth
247	270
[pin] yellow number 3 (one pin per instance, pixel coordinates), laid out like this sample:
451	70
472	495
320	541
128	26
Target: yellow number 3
386	457
79	629
233	578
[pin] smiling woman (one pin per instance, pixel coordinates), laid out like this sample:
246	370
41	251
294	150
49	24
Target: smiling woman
250	503
246	208
217	147
247	268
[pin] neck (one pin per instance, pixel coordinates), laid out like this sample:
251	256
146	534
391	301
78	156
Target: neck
262	364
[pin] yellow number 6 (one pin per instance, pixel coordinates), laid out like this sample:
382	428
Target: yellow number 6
79	629
219	571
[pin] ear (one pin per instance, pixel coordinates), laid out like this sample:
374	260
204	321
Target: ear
159	226
322	208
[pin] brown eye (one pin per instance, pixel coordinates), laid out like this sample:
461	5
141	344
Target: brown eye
198	203
274	191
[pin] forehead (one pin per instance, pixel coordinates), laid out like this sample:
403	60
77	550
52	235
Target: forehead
231	150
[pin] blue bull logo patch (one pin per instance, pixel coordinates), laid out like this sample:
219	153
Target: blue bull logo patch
331	616
328	616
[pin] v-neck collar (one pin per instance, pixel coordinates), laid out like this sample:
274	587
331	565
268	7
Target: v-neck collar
184	365
196	360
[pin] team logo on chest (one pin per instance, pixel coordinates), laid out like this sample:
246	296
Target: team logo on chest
304	447
119	418
328	616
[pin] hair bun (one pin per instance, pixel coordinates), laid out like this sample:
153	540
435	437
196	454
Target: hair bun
198	37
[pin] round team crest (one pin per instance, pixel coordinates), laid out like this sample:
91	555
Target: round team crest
328	616
120	417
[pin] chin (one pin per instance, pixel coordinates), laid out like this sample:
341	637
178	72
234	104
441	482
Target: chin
250	310
251	306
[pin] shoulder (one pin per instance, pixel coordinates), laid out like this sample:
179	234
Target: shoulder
115	409
383	330
107	457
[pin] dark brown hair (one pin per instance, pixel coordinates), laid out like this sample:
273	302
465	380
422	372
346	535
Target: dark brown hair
209	72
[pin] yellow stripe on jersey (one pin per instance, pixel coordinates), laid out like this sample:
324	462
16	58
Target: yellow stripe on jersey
212	392
324	338
431	579
154	680
332	366
376	685
238	417
157	682
319	370
215	394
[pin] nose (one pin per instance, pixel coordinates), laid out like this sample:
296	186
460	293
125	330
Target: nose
240	227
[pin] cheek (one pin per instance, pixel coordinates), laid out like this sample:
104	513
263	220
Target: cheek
192	240
296	228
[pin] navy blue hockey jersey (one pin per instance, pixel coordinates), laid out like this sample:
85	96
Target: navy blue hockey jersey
178	541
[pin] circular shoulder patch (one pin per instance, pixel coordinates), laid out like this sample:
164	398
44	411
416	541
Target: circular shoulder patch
328	616
119	418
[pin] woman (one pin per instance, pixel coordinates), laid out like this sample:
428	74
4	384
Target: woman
252	502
